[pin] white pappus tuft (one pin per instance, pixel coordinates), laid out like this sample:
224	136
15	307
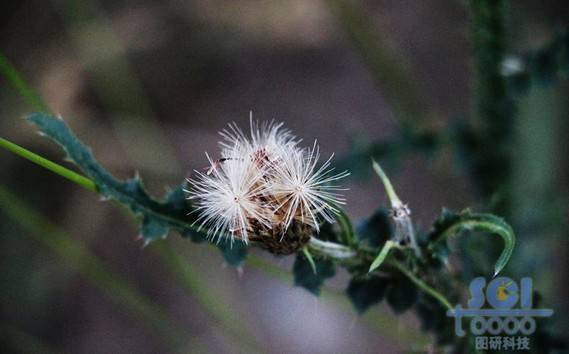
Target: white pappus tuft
305	191
228	198
264	186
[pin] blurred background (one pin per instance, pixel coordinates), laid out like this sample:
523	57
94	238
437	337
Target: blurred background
148	84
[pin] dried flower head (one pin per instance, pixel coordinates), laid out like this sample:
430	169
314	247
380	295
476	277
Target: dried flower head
265	188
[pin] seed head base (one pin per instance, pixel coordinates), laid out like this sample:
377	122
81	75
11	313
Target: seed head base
273	240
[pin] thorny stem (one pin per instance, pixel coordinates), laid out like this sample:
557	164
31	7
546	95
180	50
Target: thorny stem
342	254
496	110
347	255
338	252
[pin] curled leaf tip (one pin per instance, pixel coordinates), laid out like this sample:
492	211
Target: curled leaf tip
393	198
452	224
378	261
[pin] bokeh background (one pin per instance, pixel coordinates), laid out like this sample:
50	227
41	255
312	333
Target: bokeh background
148	84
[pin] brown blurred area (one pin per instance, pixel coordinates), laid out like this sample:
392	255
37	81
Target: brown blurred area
148	84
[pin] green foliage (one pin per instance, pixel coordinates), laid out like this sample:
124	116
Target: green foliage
309	258
382	255
401	294
391	194
367	291
405	279
234	253
305	276
157	217
346	229
375	230
130	192
450	224
433	318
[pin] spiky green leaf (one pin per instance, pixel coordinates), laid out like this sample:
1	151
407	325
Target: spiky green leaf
451	224
382	255
157	216
367	291
401	294
391	194
305	277
234	252
376	229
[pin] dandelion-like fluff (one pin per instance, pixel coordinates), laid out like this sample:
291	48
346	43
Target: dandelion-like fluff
266	189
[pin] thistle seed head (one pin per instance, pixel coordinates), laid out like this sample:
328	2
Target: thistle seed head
265	188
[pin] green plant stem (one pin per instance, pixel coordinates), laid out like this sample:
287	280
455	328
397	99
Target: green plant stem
91	267
254	261
180	269
47	164
341	253
20	85
136	97
346	255
332	250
